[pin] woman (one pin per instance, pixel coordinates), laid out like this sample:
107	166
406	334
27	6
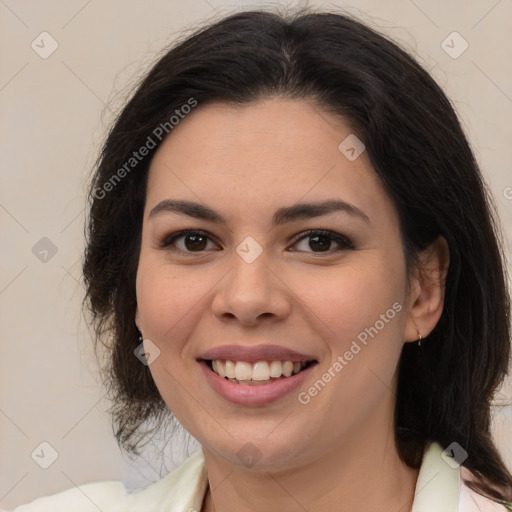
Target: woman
291	248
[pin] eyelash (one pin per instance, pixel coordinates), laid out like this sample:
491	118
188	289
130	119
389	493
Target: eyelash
341	240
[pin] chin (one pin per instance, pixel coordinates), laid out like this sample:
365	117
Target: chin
259	451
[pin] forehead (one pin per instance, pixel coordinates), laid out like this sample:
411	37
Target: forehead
259	156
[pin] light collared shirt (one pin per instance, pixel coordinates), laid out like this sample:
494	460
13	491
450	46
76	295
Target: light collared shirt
439	488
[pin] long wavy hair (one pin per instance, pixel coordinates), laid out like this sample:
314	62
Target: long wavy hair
418	149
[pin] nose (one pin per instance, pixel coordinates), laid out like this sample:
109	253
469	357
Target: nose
250	293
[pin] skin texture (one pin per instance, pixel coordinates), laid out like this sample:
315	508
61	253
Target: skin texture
245	162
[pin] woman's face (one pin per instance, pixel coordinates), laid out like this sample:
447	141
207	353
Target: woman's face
255	288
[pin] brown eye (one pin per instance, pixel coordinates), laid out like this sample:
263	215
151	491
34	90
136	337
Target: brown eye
187	241
195	242
318	241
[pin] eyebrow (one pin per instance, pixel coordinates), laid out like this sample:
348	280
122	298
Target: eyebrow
281	216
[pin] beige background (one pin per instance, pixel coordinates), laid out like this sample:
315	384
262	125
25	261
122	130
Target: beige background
54	113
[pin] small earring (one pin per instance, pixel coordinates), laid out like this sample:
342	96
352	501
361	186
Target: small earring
419	341
140	337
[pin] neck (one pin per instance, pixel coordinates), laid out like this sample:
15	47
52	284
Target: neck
362	474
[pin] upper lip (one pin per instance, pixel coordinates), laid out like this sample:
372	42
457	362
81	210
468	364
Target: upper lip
254	353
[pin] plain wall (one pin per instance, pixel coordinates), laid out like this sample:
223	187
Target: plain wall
54	115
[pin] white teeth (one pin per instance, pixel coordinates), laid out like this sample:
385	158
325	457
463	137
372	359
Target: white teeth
260	371
221	369
229	368
287	368
276	369
243	371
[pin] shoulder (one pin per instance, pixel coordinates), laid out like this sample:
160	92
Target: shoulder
105	496
472	501
442	486
183	487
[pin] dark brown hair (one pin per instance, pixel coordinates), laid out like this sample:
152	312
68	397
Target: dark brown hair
418	149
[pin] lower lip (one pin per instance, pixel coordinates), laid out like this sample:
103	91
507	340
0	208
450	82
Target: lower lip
244	394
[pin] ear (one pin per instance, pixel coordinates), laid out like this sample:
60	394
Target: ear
137	319
427	290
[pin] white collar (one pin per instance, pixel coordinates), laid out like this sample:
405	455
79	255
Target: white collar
439	487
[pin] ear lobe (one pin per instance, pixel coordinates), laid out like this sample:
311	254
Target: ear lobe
137	318
427	290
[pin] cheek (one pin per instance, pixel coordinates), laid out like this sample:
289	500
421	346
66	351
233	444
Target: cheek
169	301
167	297
346	300
366	320
359	311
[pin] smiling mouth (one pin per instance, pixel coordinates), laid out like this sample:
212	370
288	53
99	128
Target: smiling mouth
258	373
